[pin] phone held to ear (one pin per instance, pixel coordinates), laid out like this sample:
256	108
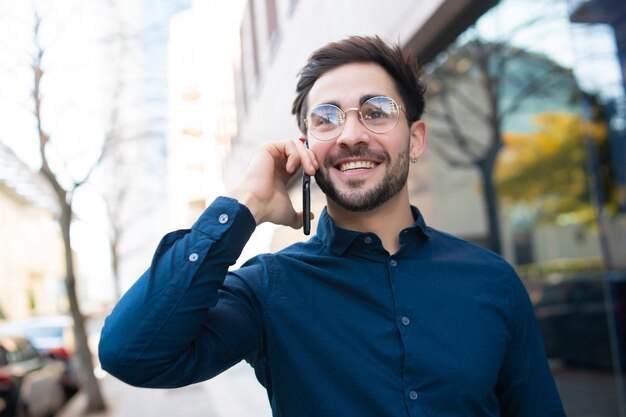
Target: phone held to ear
306	198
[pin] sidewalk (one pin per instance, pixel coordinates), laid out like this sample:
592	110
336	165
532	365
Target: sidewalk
234	393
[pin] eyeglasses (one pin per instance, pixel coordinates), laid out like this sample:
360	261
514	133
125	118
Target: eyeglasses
378	114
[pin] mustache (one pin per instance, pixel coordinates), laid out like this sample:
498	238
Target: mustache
381	157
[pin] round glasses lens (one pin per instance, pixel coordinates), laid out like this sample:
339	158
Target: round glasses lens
380	114
325	121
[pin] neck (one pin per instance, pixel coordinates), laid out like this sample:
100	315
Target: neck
386	221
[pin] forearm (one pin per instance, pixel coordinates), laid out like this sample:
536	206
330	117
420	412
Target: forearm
156	330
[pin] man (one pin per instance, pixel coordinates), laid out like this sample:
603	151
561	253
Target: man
377	314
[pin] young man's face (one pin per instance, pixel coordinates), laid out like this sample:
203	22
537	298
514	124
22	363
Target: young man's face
359	169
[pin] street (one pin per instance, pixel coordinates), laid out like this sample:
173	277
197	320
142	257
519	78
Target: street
233	393
236	392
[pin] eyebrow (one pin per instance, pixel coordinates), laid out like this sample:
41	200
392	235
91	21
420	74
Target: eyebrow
362	100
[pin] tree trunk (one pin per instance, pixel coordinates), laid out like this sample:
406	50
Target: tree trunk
115	266
491	204
95	401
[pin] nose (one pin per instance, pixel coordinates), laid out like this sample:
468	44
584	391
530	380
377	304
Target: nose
354	131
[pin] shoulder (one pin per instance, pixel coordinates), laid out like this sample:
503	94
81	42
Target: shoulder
301	250
445	243
268	264
473	262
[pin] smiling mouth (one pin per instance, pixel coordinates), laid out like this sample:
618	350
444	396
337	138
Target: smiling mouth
354	165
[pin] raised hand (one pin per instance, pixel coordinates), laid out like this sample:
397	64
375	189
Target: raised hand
264	187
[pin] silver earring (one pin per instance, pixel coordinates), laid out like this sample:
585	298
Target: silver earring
413	160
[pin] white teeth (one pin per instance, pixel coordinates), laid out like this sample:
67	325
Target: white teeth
356	165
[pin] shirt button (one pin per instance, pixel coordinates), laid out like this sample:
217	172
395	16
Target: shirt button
406	321
413	395
193	257
368	239
223	218
393	263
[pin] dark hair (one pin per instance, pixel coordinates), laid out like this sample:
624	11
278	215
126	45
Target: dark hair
401	66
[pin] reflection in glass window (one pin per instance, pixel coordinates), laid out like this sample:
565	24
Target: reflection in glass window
527	115
490	84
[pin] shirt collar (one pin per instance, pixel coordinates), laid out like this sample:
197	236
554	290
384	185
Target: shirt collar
339	239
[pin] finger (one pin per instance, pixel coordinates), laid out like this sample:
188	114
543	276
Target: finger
309	163
299	224
311	154
313	159
294	158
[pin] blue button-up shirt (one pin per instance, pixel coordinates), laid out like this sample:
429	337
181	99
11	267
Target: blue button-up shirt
336	326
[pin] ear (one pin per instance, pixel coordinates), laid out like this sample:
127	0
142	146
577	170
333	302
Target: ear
417	140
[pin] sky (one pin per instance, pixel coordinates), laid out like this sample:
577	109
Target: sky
587	49
77	92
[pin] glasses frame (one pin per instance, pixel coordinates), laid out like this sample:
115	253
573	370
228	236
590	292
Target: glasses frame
345	117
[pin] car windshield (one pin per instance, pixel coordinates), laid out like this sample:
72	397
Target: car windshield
43	332
18	350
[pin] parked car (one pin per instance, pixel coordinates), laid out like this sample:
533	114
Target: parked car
30	384
583	320
52	336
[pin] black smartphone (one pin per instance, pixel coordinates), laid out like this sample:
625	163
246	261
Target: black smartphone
306	199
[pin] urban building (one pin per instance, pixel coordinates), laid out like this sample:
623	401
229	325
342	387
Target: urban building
581	246
276	38
202	115
134	176
204	52
31	259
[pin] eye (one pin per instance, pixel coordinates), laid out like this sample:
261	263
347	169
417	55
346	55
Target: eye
323	120
379	109
318	120
325	116
371	114
376	112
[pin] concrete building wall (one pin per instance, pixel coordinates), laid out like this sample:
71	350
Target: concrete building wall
31	252
266	93
203	44
267	115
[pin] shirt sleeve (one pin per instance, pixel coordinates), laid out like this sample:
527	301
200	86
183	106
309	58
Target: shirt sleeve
526	386
178	324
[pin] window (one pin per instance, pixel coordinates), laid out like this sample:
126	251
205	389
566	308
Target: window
253	39
531	99
272	19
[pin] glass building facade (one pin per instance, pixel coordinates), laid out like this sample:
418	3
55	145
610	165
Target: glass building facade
532	97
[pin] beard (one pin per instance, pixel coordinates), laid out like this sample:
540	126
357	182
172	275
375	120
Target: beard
358	199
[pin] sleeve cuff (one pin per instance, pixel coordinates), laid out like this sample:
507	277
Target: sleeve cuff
222	215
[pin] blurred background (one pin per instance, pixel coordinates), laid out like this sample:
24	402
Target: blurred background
122	120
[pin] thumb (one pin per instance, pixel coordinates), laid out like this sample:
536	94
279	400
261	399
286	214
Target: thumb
299	220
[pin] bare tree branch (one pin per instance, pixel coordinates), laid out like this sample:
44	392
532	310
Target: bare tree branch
508	79
450	159
532	87
457	133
